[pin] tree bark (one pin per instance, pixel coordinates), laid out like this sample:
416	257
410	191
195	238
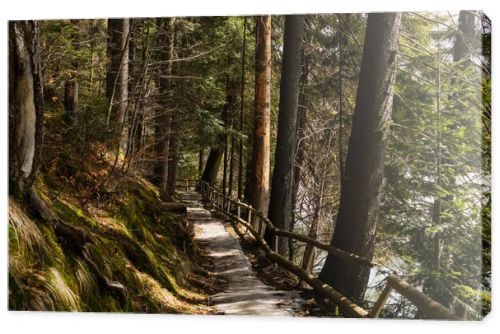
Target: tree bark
25	105
225	118
464	36
280	205
299	157
229	140
341	97
173	142
164	117
231	167
173	163
242	110
212	165
259	192
201	162
117	72
71	86
363	179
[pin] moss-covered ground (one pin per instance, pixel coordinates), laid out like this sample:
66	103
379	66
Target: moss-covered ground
134	256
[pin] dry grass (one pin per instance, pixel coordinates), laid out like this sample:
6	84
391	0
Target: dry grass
48	273
26	237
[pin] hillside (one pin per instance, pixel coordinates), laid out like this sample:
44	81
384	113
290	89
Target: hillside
125	254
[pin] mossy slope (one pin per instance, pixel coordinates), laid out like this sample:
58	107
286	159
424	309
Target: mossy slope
133	256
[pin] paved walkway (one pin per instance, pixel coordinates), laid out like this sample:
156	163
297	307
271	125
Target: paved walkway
244	293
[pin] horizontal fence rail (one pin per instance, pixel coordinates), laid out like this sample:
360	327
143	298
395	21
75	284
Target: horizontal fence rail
187	184
256	223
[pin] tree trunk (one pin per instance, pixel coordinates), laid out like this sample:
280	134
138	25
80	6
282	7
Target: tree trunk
362	182
341	99
71	101
259	192
229	151
117	71
212	165
71	86
242	110
217	154
231	167
280	205
201	162
164	117
225	116
173	163
464	36
173	140
25	105
135	78
299	157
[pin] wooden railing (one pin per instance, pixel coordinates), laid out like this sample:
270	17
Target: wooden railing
256	223
186	184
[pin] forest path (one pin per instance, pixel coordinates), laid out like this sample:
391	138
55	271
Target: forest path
244	293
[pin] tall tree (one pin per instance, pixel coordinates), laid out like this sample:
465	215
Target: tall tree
173	164
225	118
201	162
212	165
242	110
280	205
299	156
25	105
259	190
71	86
464	35
424	205
362	182
174	141
117	71
461	56
164	117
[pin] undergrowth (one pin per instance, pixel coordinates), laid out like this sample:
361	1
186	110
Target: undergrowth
129	254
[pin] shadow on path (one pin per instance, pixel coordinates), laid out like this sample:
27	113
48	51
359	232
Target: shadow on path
244	293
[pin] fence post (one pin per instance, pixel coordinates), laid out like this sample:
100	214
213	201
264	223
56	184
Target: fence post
382	299
249	216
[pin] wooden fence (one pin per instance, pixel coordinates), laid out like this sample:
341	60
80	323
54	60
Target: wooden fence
187	184
256	223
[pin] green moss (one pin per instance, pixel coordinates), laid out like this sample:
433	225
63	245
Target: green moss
55	247
73	214
47	181
148	237
13	241
152	276
107	303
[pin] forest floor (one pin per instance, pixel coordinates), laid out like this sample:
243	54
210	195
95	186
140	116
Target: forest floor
118	250
244	292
